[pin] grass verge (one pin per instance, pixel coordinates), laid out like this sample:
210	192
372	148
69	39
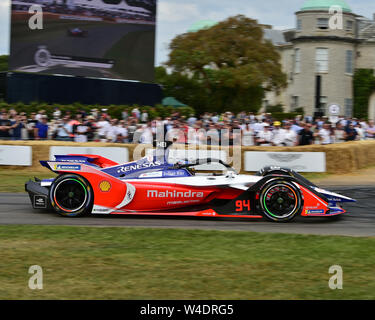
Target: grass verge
122	263
14	180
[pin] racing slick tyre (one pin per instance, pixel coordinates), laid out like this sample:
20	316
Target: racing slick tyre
280	201
71	196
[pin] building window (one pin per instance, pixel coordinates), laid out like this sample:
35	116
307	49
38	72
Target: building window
349	25
323	103
297	60
299	24
294	102
322	23
322	60
348	108
349	61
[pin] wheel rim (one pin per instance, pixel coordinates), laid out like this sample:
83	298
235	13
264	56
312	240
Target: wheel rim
280	201
70	195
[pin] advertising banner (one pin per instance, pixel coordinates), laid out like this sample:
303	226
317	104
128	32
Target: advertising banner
15	156
298	161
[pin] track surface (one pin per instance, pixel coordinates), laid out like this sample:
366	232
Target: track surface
359	221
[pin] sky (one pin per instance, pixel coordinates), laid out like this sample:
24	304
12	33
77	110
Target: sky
176	16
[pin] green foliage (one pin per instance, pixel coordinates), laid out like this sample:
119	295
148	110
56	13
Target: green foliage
276	108
114	111
226	67
300	111
364	86
4	63
285	115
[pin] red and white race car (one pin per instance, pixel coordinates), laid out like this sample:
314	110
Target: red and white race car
89	184
77	32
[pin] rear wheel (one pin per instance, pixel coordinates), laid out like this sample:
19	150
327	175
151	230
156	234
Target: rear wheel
71	195
280	201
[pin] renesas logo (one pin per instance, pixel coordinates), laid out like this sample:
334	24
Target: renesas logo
174	194
137	166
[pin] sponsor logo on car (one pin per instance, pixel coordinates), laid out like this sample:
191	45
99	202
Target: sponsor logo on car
174	194
72	160
315	211
105	186
157	174
67	167
171	173
138	166
40	202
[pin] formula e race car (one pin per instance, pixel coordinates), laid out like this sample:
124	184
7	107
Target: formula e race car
90	184
77	32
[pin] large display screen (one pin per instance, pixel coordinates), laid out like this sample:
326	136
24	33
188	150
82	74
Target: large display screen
88	38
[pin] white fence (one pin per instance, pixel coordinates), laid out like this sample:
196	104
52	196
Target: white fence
298	161
15	156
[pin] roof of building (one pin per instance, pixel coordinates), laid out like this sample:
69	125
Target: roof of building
325	5
277	37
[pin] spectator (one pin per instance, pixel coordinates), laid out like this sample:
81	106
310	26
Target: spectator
57	113
16	127
103	126
81	131
41	129
339	135
31	123
144	116
264	137
91	128
5	126
370	132
286	136
325	134
64	130
361	133
247	134
306	136
136	113
122	132
350	133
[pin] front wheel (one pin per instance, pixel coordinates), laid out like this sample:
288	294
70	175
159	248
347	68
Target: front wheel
71	195
280	201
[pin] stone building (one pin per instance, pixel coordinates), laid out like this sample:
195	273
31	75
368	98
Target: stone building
321	55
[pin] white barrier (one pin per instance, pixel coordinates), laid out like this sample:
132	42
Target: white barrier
119	155
298	161
15	156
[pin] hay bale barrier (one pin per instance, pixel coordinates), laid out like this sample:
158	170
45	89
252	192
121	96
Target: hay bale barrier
341	158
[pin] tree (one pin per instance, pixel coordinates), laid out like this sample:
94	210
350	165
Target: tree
183	88
232	61
3	63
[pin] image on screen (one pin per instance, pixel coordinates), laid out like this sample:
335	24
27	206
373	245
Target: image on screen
89	38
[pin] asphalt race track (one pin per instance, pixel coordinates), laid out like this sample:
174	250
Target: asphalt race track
359	221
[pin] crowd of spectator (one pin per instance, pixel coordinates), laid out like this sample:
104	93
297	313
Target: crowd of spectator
136	126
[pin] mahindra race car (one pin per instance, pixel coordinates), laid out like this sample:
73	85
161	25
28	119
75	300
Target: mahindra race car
77	32
90	184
